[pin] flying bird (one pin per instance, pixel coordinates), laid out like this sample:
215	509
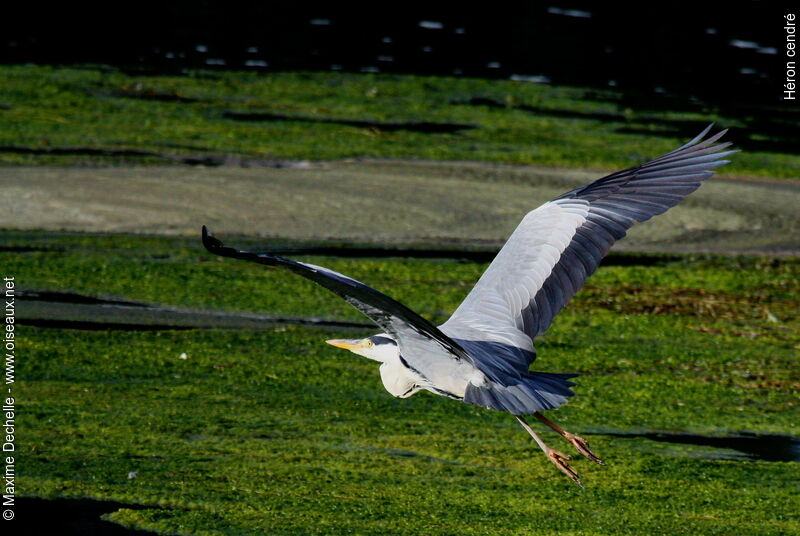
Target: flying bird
483	353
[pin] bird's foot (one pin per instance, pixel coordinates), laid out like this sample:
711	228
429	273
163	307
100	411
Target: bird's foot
560	461
582	446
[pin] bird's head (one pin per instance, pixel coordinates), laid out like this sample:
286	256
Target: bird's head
378	347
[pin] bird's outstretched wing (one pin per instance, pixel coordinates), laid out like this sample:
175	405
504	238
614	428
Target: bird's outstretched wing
558	245
391	315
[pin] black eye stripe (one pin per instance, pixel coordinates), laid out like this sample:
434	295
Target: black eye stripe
382	340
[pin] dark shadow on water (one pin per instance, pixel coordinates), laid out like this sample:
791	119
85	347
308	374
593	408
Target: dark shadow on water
26	249
80	151
71	297
69	310
428	127
140	155
150	94
72	517
769	448
85	325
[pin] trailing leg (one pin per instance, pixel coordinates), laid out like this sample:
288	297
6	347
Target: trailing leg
558	458
579	443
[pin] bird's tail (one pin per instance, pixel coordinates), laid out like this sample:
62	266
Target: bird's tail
534	391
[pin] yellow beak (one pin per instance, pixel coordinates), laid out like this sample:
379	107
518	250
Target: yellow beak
347	344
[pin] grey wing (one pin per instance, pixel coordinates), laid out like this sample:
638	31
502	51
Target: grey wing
558	245
418	338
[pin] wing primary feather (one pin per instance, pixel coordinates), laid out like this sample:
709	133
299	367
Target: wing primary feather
560	257
386	312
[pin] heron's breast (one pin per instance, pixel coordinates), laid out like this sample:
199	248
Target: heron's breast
399	380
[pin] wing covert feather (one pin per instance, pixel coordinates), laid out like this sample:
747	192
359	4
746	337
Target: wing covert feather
557	246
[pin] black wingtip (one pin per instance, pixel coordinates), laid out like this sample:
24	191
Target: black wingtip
210	242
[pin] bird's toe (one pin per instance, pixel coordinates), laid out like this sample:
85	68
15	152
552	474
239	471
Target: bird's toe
582	446
560	461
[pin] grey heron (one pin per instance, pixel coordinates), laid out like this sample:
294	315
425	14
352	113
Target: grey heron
483	353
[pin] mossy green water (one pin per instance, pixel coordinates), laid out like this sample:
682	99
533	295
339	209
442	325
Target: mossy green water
275	432
103	116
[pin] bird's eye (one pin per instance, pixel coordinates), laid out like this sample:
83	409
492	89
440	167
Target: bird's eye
370	344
